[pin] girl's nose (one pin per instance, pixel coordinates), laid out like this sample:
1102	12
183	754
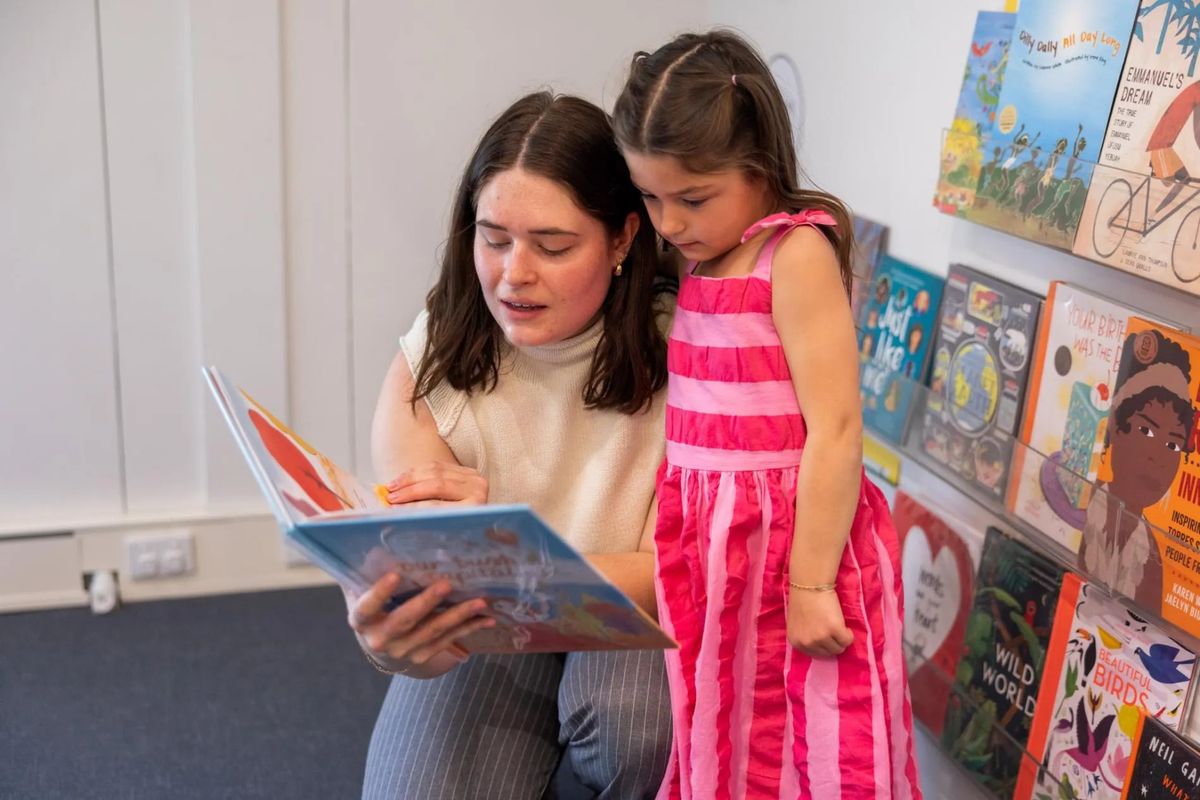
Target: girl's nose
670	224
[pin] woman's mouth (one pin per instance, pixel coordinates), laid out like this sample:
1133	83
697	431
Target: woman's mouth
521	308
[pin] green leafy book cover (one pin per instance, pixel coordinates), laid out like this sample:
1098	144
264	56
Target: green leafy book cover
1004	650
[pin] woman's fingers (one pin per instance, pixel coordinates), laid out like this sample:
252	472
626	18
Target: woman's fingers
406	643
448	640
378	625
438	481
368	607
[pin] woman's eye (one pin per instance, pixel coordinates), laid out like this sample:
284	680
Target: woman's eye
495	245
1145	431
561	252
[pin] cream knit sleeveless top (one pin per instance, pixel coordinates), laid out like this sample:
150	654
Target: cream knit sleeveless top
588	473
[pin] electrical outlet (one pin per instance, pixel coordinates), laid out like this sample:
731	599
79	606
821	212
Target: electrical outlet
162	554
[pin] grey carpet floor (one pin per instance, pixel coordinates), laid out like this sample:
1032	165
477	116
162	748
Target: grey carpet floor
238	696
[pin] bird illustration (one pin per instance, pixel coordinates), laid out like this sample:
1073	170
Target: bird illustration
1161	664
1092	744
979	51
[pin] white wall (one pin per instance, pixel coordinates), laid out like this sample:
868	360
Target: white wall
258	185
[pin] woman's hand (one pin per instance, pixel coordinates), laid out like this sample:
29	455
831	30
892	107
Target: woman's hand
815	624
438	483
415	638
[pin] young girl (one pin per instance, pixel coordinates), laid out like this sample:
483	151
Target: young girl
777	561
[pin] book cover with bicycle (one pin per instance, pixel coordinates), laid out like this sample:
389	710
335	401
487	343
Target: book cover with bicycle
1142	213
544	596
1064	64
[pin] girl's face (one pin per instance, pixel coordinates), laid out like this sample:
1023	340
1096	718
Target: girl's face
544	264
702	214
1146	457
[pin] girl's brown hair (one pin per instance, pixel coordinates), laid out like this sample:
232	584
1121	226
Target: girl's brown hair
569	141
710	101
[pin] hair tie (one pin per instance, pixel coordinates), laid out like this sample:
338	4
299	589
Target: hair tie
639	58
733	78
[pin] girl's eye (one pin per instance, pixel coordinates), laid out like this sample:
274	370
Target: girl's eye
1145	431
694	203
648	198
1175	447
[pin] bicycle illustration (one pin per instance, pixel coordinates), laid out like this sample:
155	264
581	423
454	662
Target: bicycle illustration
1114	220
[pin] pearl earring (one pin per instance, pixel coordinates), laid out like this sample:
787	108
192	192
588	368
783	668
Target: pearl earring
619	265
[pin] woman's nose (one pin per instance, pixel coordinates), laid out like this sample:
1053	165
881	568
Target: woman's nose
519	268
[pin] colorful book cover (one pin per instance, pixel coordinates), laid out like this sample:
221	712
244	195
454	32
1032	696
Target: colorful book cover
1143	208
1164	765
544	596
895	343
1104	667
975	113
1004	649
980	365
1141	534
938	569
1070	386
1063	67
870	239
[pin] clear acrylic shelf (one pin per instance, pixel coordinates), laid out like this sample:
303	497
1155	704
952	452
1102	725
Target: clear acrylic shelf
1127	220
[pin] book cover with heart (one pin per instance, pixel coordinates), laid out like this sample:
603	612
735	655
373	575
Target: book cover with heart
937	564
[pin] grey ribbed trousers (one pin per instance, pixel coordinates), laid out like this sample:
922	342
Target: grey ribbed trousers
497	727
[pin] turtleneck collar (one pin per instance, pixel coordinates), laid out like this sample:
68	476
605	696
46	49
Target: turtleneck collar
568	350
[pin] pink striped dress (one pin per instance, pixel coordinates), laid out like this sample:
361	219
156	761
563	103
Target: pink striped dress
755	718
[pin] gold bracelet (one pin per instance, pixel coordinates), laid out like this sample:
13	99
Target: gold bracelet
813	587
371	660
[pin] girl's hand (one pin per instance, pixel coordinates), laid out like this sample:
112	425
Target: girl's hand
438	483
415	634
815	624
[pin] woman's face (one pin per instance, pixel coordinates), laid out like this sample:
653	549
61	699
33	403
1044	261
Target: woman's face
1146	457
544	264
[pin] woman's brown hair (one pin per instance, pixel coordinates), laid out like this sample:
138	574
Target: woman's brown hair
710	101
569	141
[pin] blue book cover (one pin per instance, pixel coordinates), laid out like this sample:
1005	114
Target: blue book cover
1064	64
544	596
899	321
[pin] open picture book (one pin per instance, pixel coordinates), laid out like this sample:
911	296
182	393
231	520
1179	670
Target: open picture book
544	595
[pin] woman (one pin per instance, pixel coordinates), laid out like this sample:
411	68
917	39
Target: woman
533	376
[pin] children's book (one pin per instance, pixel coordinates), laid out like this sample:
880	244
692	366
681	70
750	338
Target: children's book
1141	534
542	593
870	239
1105	666
1070	388
938	567
1004	650
1164	764
1063	67
975	114
894	345
980	366
1143	208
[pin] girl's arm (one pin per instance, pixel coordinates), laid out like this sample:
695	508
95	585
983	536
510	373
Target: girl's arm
812	315
633	573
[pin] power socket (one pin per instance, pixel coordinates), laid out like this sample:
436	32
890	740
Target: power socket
163	554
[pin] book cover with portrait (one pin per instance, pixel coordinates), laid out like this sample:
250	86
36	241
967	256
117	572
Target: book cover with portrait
1070	388
981	359
895	343
870	240
1063	67
1104	666
989	713
1141	534
1130	221
975	112
938	558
